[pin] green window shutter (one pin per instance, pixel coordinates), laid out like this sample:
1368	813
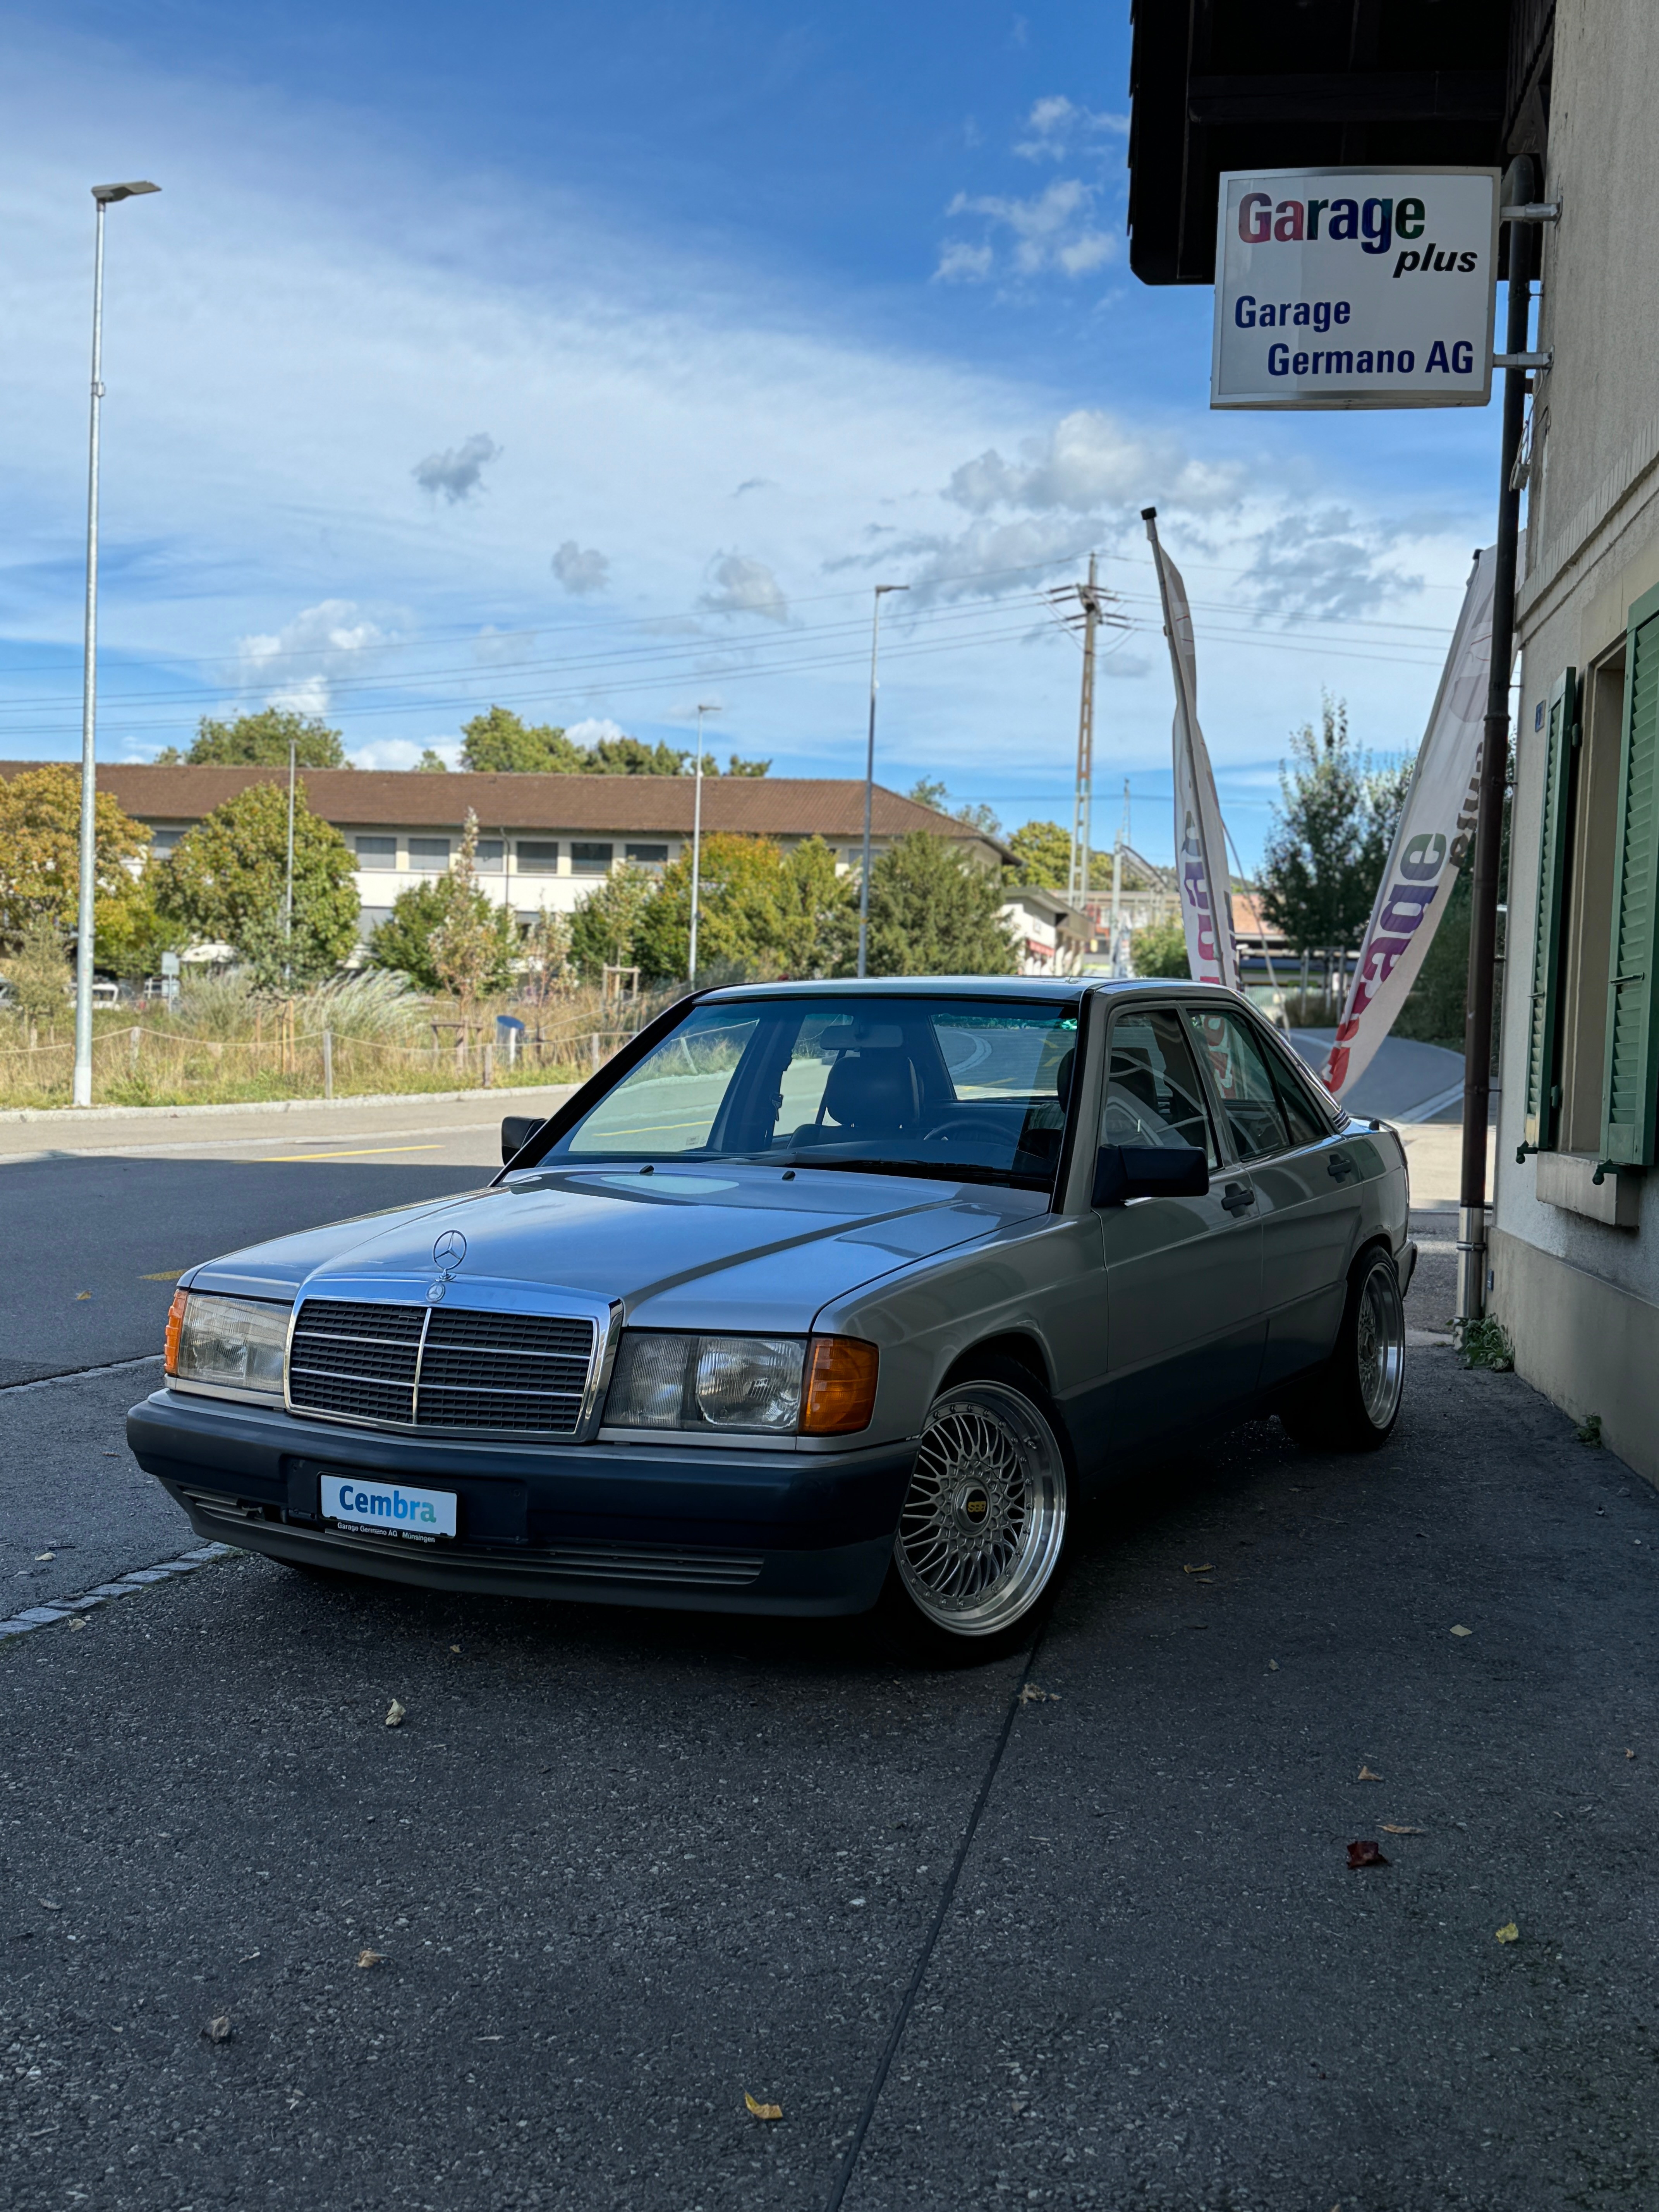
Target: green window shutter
1544	1015
1629	1081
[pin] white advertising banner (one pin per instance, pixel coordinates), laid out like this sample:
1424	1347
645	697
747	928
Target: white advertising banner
1355	287
1436	826
1206	910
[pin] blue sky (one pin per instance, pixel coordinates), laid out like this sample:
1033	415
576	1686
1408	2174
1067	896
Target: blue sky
599	360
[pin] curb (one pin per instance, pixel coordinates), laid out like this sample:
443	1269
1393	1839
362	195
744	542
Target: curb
62	1609
80	1117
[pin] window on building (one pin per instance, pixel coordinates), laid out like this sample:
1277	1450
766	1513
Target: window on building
538	859
591	860
429	852
647	856
491	857
1594	867
161	841
377	851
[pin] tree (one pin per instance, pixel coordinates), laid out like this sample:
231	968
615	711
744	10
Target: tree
604	928
546	955
225	883
928	791
38	974
41	854
404	942
472	949
762	912
499	743
1043	854
1160	949
935	912
431	763
133	933
1330	836
260	740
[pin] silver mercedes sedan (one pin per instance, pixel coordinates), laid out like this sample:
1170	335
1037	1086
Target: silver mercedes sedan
820	1298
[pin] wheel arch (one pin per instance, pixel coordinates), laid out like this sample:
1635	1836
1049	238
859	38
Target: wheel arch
1015	1345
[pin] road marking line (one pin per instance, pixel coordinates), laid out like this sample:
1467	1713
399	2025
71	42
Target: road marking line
61	1608
361	1153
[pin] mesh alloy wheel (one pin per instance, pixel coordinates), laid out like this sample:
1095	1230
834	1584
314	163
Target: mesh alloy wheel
985	1518
1380	1344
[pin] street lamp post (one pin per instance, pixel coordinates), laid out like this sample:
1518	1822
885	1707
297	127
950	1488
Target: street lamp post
696	846
882	590
287	878
103	196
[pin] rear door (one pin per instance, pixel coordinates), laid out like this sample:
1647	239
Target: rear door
1183	1275
1306	1181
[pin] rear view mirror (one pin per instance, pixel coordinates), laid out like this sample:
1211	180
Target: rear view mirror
1127	1172
516	1130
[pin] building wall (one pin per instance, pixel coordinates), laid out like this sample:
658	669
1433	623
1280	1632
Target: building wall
1575	1265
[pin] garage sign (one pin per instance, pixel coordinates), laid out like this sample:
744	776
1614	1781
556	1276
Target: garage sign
1355	287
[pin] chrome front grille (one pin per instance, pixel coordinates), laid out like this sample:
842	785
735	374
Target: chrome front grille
433	1367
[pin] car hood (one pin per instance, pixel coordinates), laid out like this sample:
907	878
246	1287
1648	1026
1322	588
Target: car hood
738	1249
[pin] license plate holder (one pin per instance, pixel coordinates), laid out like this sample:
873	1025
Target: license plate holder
370	1505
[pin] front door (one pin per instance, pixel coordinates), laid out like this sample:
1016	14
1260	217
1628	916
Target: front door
1307	1184
1183	1275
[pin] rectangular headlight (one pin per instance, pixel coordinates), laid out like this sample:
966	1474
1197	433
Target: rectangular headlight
231	1344
664	1382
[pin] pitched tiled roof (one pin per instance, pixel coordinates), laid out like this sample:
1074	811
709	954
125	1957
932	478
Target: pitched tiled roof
360	799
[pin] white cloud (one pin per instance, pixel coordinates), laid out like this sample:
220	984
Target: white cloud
404	752
501	648
1091	461
1053	229
457	473
297	665
1326	563
961	263
743	586
580	571
1056	123
594	728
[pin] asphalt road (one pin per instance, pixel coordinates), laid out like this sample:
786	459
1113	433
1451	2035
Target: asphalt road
618	1869
101	1217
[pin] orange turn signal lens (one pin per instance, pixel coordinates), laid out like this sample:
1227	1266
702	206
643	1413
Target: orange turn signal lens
175	1324
841	1386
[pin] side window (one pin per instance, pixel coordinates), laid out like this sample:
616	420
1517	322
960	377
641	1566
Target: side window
1154	1094
1307	1125
1249	1103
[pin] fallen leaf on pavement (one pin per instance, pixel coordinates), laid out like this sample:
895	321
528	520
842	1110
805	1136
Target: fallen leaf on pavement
45	1555
168	1276
1630	1754
1365	1775
1389	1829
1364	1854
1273	1666
1509	1933
368	1957
51	1905
762	2112
394	1714
218	2030
79	1295
80	1621
1460	1631
1206	1569
1031	1695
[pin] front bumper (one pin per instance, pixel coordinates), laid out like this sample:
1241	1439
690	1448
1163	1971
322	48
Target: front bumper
703	1530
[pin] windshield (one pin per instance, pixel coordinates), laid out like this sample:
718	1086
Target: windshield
970	1088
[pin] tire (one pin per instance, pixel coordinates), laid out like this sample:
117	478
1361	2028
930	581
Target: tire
1353	1401
981	1538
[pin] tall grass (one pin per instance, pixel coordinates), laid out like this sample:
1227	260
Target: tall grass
222	1042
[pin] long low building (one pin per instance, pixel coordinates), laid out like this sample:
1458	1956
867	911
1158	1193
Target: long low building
545	841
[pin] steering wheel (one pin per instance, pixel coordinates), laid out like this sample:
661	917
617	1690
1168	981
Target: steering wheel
981	1125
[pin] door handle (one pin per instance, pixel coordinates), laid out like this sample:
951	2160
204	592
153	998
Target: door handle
1237	1196
1337	1164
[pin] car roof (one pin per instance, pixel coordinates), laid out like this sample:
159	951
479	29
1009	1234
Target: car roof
1042	989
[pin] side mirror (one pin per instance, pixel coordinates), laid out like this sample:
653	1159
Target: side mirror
1127	1172
516	1130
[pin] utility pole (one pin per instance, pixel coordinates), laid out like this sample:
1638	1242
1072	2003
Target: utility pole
1122	838
696	849
103	196
1077	886
882	590
288	881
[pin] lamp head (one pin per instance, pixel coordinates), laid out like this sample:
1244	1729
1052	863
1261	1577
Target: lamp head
108	194
882	590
